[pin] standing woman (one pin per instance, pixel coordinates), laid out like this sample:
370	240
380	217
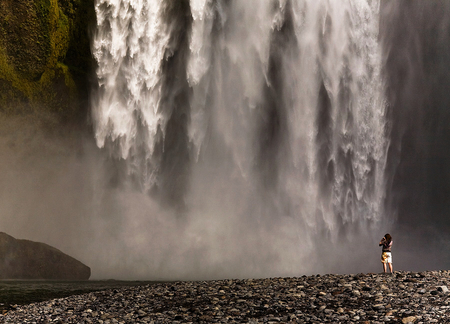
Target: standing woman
386	256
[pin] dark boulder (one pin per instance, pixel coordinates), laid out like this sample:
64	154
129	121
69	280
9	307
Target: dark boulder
23	259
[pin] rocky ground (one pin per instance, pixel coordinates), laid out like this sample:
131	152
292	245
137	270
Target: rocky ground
405	297
22	292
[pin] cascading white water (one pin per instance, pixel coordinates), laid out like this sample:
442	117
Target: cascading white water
286	129
129	48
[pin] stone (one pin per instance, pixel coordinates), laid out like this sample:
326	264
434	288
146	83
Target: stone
442	289
24	259
378	306
409	319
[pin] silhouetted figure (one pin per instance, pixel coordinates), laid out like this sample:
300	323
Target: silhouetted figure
386	256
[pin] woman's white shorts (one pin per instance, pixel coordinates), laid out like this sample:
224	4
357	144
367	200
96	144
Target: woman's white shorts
386	257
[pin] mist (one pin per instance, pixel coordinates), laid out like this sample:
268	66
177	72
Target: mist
245	141
59	188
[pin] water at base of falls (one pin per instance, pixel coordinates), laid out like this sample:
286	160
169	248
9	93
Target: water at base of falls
252	134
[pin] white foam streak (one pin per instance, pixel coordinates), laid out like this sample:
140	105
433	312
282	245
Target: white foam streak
129	47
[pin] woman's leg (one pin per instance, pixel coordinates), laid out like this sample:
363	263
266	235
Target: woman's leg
384	267
390	267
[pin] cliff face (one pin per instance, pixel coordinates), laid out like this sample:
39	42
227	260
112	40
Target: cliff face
45	58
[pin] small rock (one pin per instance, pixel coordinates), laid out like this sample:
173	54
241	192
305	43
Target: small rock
141	313
442	289
409	319
378	306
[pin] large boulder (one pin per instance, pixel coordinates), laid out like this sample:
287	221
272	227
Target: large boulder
23	259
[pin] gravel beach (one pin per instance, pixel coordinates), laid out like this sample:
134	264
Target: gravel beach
405	297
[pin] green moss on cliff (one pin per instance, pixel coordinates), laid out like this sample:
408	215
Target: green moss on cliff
35	40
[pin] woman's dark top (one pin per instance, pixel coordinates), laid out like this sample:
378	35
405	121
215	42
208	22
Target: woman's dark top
386	245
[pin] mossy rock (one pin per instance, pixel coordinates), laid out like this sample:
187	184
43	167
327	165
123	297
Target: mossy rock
45	58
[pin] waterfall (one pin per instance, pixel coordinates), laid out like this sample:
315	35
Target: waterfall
262	123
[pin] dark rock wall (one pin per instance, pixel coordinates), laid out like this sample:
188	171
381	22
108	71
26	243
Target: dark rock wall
416	43
45	58
415	37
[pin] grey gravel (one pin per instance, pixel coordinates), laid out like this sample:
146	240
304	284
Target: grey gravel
405	297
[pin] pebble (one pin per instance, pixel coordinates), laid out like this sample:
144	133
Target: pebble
405	297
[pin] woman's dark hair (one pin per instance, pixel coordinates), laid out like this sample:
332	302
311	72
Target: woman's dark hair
388	237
